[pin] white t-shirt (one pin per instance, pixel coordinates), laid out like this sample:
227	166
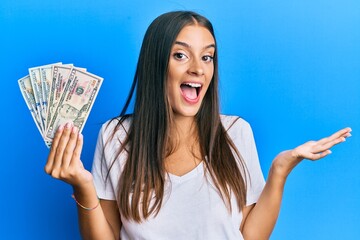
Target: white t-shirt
192	207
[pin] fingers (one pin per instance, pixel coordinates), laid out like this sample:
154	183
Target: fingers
60	150
332	143
317	156
75	161
54	145
328	142
315	150
342	134
66	148
70	147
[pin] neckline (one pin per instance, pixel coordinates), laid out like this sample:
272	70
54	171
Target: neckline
194	172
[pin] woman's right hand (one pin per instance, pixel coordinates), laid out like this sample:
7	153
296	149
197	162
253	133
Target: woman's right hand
64	158
64	163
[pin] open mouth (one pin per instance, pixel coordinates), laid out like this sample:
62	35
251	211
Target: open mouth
191	90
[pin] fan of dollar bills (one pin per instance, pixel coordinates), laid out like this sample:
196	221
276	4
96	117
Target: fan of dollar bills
59	93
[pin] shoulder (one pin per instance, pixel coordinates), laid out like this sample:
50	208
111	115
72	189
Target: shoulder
113	134
233	123
238	129
111	139
116	127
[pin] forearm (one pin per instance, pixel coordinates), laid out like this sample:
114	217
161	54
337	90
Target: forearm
92	223
262	219
64	164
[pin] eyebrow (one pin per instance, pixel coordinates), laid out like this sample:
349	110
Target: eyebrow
189	46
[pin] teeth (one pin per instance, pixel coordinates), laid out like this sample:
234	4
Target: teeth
194	85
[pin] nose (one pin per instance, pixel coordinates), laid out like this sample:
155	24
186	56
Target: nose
196	68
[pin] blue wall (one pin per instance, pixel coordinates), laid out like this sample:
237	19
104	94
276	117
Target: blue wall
291	68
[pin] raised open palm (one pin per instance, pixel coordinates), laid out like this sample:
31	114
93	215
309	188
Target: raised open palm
312	150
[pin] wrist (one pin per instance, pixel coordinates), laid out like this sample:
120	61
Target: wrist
86	188
84	207
85	196
284	163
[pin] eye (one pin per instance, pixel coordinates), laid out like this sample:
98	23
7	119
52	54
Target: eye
179	56
207	58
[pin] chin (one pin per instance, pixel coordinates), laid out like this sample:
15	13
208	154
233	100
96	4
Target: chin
187	113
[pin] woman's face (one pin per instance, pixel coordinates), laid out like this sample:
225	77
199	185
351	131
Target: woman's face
190	70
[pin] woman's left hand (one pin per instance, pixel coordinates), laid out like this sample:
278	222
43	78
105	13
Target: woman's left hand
312	150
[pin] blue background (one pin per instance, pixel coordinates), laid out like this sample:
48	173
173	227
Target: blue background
290	68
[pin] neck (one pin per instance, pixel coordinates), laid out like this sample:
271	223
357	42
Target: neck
184	128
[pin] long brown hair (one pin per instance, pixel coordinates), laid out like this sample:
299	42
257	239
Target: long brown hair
143	176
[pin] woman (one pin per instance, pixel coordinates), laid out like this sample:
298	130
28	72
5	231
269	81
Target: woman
176	168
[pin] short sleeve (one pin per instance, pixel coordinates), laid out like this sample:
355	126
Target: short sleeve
100	170
242	136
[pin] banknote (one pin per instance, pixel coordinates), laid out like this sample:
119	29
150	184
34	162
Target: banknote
37	85
60	74
34	74
59	93
79	94
28	95
45	78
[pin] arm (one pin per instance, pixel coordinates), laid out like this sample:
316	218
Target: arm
259	220
64	163
112	214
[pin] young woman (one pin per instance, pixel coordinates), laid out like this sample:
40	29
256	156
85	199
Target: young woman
176	168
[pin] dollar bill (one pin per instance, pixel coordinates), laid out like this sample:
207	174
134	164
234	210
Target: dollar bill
74	105
45	78
60	74
35	80
54	98
40	90
28	95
